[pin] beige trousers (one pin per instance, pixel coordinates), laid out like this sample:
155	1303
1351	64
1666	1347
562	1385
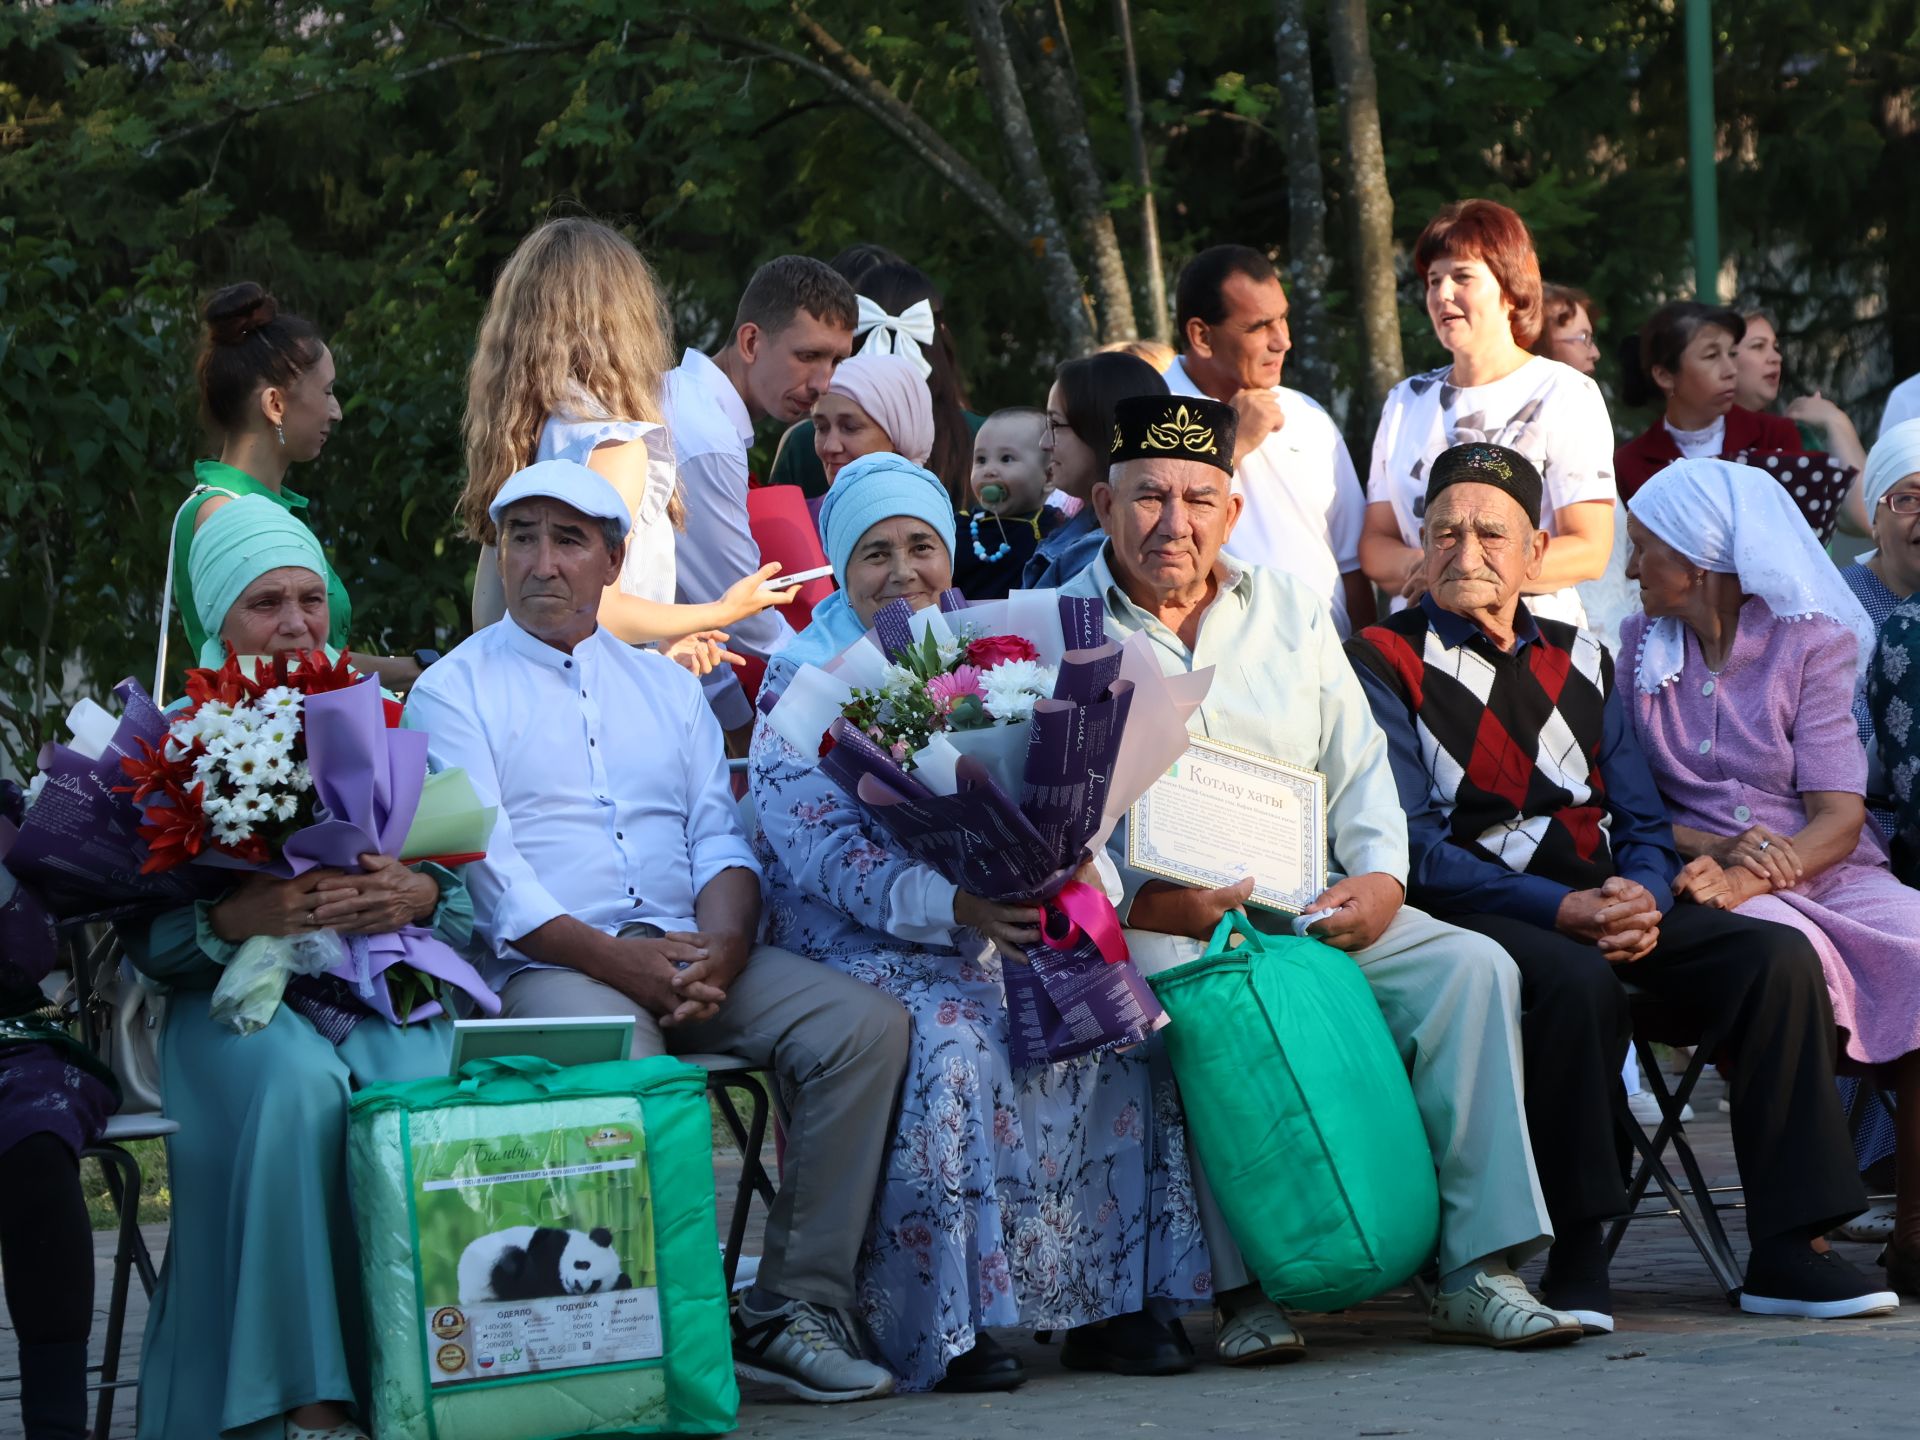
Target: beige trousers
1452	1000
836	1047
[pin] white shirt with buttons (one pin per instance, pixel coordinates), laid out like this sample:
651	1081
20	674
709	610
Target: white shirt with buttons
610	776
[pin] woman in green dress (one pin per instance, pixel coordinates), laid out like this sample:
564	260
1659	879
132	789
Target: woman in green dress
255	1330
266	394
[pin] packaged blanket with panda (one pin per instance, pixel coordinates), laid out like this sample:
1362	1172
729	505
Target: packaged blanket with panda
540	1252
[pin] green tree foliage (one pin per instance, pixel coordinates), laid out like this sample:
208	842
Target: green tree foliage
373	162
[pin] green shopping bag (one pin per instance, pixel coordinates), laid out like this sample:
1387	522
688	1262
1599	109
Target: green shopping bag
540	1254
1301	1112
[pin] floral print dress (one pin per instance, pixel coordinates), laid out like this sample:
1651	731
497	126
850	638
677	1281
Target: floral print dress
1043	1200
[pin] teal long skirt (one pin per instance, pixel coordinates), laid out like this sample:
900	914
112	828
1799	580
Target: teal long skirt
259	1305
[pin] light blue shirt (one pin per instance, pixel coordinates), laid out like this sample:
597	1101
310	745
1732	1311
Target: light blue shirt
1281	686
610	775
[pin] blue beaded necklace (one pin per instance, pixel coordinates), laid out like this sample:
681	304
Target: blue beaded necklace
1006	545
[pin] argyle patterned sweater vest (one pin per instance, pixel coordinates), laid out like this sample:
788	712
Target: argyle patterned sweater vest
1510	742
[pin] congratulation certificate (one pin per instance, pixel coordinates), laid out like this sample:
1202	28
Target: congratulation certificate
1220	814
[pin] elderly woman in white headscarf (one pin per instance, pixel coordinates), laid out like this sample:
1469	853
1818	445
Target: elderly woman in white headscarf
877	402
1886	575
1054	1198
1745	666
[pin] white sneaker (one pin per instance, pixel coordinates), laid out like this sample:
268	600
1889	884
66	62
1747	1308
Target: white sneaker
808	1351
1645	1108
1499	1311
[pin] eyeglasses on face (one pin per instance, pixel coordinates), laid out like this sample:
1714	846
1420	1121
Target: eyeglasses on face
1906	503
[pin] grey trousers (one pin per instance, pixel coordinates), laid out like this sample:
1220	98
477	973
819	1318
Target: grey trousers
1452	1000
837	1048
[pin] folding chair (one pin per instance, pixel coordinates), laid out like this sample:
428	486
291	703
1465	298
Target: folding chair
130	1253
1658	1021
727	1074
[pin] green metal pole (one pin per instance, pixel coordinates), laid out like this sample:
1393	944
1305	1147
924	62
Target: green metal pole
1700	151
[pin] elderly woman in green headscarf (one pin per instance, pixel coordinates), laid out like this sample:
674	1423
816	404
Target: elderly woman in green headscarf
255	1329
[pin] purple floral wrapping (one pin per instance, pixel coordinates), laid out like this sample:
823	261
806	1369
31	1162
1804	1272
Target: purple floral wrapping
1064	1002
366	785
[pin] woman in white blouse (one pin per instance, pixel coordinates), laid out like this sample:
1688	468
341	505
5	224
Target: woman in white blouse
572	354
1482	280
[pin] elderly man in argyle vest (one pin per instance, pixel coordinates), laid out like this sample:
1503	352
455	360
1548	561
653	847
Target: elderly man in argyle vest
1282	687
1532	817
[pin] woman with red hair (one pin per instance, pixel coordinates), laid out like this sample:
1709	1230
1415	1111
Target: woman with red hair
1477	265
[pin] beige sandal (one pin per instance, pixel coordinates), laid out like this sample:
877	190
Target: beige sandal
332	1432
1256	1334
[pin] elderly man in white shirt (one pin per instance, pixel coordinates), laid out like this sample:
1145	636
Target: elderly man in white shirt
618	882
1282	686
793	325
1304	503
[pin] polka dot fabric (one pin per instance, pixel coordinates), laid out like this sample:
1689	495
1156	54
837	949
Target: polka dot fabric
1817	482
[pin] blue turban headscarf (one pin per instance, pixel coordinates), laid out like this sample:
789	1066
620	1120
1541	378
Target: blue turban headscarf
877	487
237	544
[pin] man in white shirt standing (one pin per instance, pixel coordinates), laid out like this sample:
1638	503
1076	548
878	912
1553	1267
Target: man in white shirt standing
793	325
617	882
1304	502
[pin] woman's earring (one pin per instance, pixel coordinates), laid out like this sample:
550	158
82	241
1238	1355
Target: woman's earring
281	431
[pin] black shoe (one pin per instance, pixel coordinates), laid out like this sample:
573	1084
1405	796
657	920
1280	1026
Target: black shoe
1788	1277
1575	1280
987	1366
1135	1344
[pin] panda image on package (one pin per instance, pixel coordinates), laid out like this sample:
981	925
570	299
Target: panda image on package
529	1262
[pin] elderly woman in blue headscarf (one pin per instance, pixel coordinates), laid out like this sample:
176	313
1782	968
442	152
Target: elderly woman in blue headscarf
1057	1198
256	1328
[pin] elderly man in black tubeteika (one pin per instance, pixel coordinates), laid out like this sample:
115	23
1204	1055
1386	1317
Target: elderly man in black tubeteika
1532	817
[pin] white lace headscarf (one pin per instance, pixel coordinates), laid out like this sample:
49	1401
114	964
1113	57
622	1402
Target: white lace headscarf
1739	520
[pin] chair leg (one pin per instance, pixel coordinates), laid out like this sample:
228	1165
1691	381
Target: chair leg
748	1137
122	1174
1696	1209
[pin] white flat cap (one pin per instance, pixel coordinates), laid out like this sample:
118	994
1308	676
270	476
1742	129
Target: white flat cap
567	481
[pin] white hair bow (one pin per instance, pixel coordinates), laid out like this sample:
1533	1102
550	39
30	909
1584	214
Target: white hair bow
887	334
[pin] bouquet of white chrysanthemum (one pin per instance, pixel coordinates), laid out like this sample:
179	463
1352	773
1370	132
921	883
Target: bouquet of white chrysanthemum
243	756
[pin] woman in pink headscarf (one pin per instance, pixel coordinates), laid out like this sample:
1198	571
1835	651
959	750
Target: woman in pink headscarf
876	402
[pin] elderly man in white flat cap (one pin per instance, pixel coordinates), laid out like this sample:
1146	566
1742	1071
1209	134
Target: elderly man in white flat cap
618	882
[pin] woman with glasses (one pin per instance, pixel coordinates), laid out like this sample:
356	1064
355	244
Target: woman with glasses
1568	323
1078	436
1882	580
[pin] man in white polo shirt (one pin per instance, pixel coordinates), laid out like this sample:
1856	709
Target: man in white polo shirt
793	325
1304	501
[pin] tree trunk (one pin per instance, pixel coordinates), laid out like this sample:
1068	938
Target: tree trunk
1159	318
1066	301
846	74
1057	91
1310	366
1373	281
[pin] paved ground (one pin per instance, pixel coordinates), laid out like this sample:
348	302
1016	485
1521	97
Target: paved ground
1682	1364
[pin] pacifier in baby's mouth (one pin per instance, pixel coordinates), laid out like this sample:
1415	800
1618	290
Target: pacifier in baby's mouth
994	494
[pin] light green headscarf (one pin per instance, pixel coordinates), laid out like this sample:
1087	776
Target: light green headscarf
240	542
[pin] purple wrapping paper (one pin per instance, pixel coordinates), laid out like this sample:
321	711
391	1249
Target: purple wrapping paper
366	784
79	849
1065	1002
